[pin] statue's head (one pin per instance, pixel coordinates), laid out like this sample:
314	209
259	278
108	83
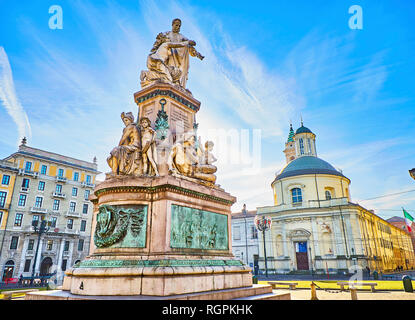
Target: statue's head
189	139
145	122
127	118
176	24
209	145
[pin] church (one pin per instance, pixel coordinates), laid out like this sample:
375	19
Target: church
315	225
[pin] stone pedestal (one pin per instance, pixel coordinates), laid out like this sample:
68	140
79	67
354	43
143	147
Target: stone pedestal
184	244
164	236
180	106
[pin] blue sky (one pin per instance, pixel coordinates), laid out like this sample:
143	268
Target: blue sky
267	63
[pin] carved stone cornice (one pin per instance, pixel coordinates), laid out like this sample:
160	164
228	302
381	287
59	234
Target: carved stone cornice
166	90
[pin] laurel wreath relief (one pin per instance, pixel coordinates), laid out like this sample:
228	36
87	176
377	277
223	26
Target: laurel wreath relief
112	224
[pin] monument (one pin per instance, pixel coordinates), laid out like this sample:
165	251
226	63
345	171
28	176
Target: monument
162	226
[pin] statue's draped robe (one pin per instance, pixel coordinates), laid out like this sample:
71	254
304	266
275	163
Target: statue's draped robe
179	57
127	155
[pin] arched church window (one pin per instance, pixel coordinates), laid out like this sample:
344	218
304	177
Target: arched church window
309	146
301	142
328	195
296	195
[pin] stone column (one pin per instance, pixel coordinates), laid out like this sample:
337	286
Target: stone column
315	237
338	236
69	262
349	231
284	239
23	257
60	273
39	256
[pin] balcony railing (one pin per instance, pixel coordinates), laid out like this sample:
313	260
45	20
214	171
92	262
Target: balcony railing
24	189
28	173
87	184
59	195
61	179
38	210
71	231
72	214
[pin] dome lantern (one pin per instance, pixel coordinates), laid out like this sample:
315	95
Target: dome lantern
305	142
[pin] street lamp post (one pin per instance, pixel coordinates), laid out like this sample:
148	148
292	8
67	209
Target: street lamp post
44	227
263	225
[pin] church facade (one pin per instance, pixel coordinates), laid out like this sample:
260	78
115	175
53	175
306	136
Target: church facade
315	225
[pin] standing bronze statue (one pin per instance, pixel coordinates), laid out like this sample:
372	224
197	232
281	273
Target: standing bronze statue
168	60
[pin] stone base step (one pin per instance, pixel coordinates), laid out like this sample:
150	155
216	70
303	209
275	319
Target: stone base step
268	296
257	291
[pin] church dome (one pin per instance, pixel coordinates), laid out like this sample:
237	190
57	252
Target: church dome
307	165
303	129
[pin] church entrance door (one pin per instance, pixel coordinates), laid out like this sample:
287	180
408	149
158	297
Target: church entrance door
301	255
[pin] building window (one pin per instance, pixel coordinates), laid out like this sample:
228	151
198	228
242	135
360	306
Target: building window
309	146
3	196
14	242
72	206
1	217
28	166
35	220
49	245
27	265
44	169
83	225
237	233
58	188
22	200
328	195
75	176
74	192
301	142
81	245
5	180
25	183
66	247
86	194
254	232
41	186
53	222
70	224
60	173
88	179
31	244
18	220
64	263
296	195
56	204
85	208
38	202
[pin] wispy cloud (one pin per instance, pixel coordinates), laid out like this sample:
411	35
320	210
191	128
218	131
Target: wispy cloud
9	98
77	94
